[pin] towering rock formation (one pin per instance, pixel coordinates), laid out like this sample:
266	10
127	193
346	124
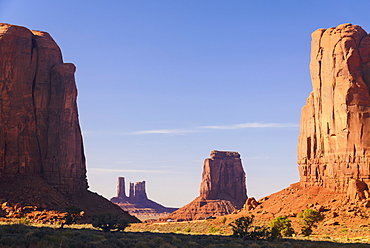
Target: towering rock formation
334	140
41	147
224	178
39	129
137	203
222	190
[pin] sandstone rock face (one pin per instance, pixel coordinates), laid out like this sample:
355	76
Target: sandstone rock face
137	203
222	190
334	140
39	128
42	158
224	178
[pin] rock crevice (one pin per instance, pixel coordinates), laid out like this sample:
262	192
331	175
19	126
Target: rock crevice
334	140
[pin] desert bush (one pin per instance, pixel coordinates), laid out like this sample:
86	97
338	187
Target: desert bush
109	222
241	226
187	229
72	215
282	226
308	219
223	220
213	229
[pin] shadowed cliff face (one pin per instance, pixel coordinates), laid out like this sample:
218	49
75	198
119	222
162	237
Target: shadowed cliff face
39	127
334	140
42	162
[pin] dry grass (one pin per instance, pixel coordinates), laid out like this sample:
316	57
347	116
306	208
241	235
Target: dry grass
210	233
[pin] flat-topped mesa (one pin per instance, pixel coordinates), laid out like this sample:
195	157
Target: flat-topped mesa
334	140
224	155
222	190
224	178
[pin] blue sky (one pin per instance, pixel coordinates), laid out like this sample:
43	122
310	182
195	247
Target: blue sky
162	83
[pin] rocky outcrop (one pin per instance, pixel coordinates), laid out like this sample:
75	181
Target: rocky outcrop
222	190
334	140
40	136
137	203
224	178
39	128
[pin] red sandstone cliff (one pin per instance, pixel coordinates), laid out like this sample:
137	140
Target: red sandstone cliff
42	160
222	190
334	140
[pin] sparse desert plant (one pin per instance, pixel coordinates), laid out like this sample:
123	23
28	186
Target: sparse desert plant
109	222
73	214
213	229
241	226
282	225
308	219
187	229
223	220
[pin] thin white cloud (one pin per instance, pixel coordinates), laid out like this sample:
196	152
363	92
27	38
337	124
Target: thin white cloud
252	125
164	131
128	171
219	127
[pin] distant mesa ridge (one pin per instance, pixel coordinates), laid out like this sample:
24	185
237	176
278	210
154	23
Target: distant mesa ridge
334	140
222	190
137	203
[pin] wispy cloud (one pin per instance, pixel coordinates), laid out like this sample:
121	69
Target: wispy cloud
164	131
253	125
215	127
106	170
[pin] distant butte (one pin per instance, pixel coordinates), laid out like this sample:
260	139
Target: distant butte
42	161
222	190
137	203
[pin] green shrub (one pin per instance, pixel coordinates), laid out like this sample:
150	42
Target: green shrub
308	219
187	229
282	226
73	214
109	222
213	229
241	226
223	220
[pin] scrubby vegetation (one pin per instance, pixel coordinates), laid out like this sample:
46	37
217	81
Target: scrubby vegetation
308	219
109	222
17	235
281	227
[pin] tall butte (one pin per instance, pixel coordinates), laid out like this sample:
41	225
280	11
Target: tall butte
42	158
222	190
334	140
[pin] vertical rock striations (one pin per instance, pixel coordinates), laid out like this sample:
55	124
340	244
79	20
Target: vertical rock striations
42	158
222	190
39	128
334	140
224	178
